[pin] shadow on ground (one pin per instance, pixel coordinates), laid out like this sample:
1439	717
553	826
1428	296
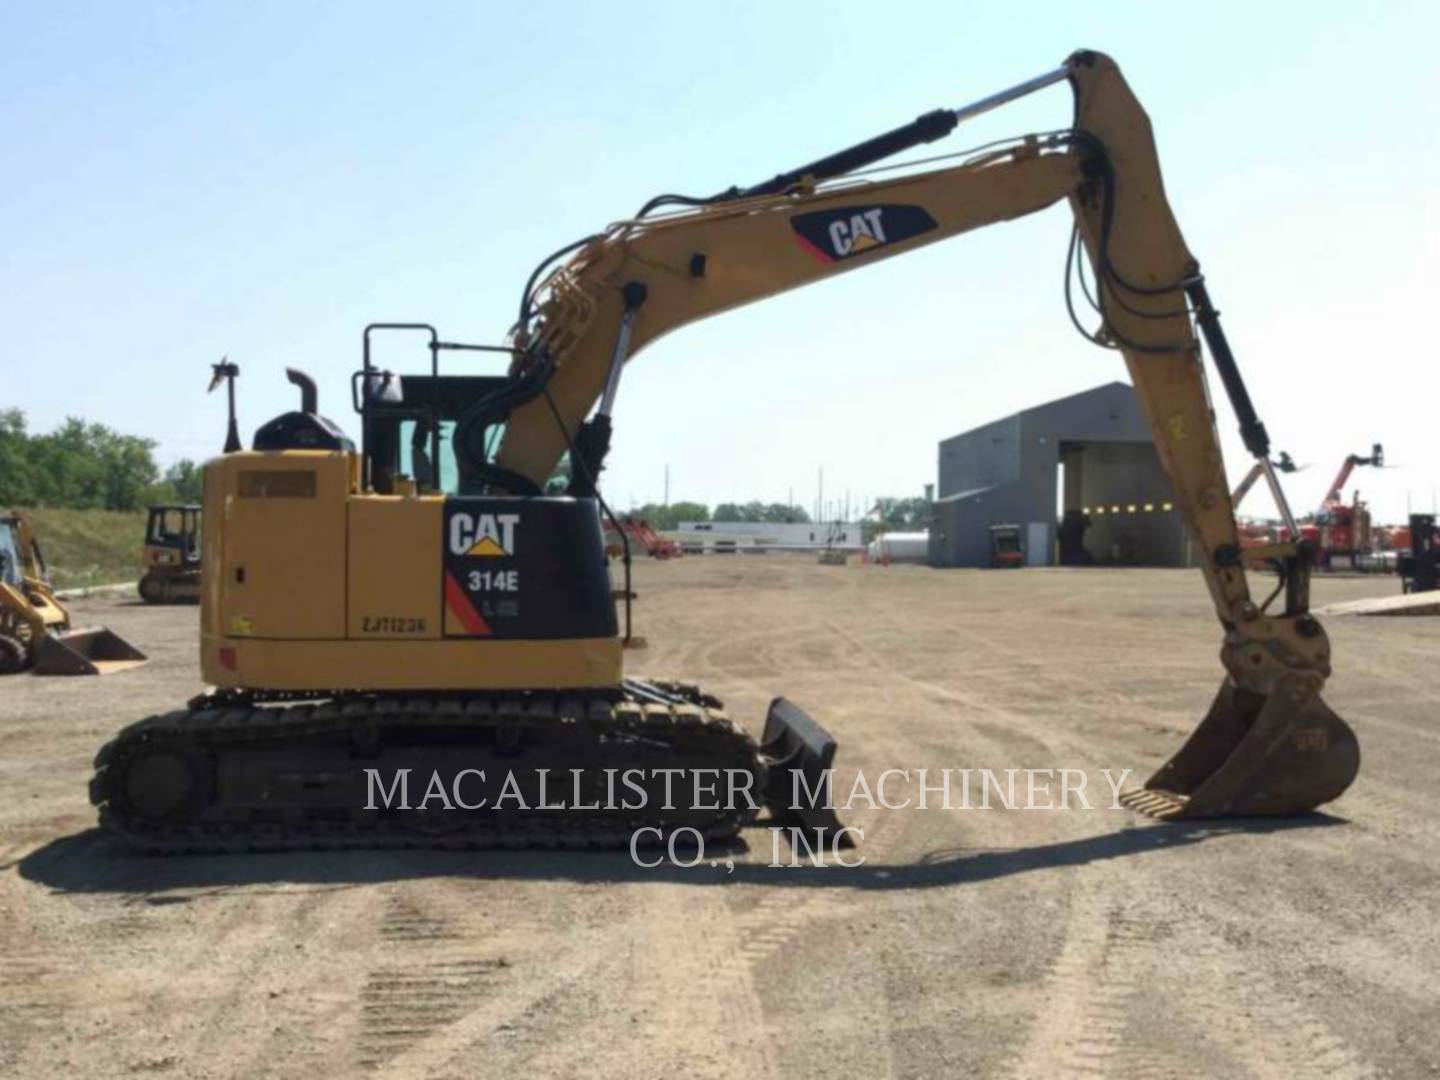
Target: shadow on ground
90	862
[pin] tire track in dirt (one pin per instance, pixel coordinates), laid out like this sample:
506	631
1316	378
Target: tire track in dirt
417	987
168	1018
983	733
671	974
402	1004
678	957
1246	1014
1401	811
31	1006
767	918
700	1013
1121	1005
1109	960
1076	1034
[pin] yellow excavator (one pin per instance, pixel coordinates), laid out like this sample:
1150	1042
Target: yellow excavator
35	628
420	607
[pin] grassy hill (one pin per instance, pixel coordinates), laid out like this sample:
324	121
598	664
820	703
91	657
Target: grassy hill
90	547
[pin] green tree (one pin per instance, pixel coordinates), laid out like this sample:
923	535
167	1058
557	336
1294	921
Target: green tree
186	479
787	515
79	465
129	468
911	513
895	515
17	486
755	510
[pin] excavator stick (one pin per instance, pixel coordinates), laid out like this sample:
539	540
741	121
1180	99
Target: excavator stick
799	755
1255	755
91	651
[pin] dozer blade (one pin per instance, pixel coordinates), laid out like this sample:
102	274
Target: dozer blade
1255	756
92	651
798	755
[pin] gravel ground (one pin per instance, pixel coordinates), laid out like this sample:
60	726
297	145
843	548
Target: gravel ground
994	942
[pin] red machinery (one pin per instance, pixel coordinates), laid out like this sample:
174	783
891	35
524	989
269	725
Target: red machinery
1344	530
643	533
1393	538
1006	549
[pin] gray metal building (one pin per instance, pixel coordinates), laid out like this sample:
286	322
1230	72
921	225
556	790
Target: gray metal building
1080	476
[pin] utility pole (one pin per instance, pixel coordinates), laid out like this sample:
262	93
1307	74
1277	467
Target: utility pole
667	485
820	497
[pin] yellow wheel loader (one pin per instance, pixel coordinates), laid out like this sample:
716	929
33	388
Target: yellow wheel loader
411	642
35	630
170	559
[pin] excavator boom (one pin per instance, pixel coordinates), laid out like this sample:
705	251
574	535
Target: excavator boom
1269	745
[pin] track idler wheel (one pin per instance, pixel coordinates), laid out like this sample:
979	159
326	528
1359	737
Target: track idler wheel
152	589
165	783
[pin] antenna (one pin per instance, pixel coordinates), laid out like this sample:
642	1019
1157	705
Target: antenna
226	372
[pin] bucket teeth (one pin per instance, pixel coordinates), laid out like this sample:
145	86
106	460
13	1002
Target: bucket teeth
1157	804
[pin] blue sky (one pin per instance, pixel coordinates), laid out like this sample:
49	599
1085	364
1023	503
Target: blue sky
263	179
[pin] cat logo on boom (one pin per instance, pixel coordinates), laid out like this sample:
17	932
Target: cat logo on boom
864	230
846	231
490	535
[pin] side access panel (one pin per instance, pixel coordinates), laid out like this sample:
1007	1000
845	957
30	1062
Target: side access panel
394	572
284	545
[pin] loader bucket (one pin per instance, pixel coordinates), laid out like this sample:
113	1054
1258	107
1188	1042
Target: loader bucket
92	651
1255	756
798	754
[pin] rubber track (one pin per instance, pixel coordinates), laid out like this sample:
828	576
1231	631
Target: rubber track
234	719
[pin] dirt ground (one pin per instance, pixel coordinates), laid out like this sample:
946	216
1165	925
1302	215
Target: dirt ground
996	943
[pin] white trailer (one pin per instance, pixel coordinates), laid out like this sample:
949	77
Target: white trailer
757	536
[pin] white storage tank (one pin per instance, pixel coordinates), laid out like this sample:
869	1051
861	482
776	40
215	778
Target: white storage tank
900	547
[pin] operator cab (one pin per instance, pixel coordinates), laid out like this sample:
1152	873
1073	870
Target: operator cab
176	528
9	552
409	424
434	433
420	434
15	560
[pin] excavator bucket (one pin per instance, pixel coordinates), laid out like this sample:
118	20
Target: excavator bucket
1255	756
799	755
92	651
